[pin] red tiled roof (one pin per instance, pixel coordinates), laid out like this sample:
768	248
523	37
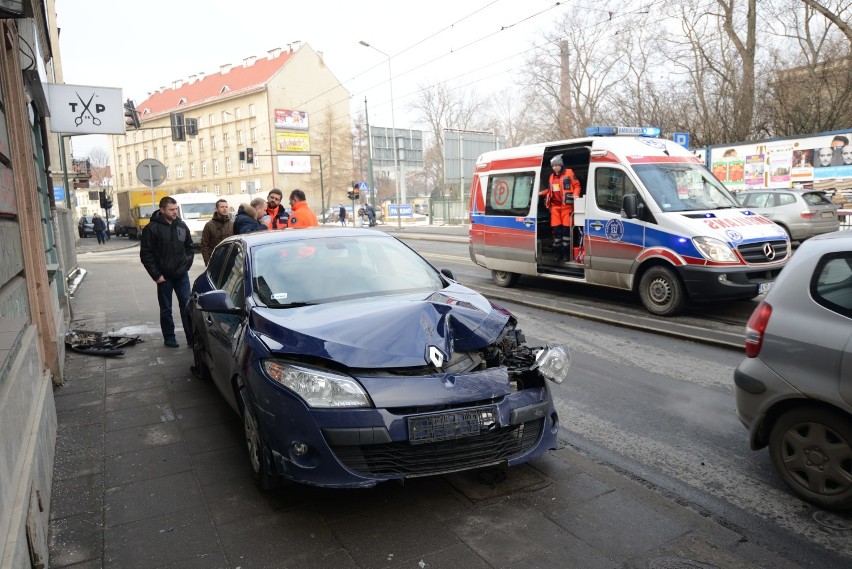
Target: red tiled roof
239	78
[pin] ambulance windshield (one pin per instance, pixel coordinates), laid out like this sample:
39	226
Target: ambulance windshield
679	186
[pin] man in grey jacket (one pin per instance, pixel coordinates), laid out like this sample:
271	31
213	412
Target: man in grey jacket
166	253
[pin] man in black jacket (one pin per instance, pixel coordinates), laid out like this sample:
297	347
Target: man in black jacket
166	253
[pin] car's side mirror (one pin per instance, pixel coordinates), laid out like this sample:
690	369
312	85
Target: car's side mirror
218	301
630	206
448	273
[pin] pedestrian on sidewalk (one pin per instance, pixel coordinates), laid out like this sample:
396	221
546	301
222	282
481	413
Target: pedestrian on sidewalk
99	227
215	230
342	215
302	215
166	253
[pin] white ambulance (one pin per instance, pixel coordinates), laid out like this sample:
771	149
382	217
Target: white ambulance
651	219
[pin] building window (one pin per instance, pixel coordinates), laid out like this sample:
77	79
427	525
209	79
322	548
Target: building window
225	116
192	170
217	190
128	159
228	165
165	153
215	166
179	171
211	119
226	142
204	188
238	113
204	167
156	152
230	188
178	149
120	157
189	147
242	165
213	142
145	152
254	134
201	144
251	110
239	138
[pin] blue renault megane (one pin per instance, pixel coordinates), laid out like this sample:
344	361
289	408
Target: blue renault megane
353	361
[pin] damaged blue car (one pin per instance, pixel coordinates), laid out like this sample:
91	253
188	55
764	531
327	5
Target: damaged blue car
353	361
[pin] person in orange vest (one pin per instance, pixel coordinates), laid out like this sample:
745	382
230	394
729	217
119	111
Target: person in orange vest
302	215
276	214
559	199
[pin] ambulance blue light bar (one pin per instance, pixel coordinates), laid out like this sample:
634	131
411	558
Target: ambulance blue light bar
647	131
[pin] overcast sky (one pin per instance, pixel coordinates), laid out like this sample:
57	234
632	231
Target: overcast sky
142	46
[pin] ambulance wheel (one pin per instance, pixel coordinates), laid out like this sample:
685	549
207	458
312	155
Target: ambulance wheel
504	279
661	291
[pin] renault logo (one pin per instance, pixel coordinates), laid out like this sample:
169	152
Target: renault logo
436	357
768	251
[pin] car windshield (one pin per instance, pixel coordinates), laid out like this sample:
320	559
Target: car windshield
196	210
330	269
147	210
684	187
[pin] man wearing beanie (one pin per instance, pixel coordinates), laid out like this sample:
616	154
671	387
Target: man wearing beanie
559	199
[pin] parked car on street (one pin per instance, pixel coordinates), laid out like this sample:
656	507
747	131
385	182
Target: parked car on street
353	361
794	388
802	213
85	227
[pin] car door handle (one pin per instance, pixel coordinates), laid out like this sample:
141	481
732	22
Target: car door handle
528	223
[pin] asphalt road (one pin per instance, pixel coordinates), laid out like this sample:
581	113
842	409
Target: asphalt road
655	401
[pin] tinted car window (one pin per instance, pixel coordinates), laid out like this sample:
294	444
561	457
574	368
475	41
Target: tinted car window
831	286
217	261
509	194
232	277
816	198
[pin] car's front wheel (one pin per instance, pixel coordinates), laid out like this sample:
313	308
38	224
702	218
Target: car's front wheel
259	456
199	367
811	448
661	291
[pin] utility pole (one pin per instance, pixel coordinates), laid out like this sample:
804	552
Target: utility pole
565	91
370	157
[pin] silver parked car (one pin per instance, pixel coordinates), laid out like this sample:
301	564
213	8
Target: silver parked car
794	388
802	213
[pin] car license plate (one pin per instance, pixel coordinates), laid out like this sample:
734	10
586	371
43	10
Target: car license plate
448	426
763	288
828	214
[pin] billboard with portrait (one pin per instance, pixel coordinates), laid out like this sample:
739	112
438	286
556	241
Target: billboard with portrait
291	120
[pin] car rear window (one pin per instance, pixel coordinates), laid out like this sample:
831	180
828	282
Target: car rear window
816	198
832	282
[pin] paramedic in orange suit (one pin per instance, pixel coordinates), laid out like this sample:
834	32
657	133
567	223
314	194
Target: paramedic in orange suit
559	199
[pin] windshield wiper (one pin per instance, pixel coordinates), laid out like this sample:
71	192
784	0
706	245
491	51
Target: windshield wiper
294	304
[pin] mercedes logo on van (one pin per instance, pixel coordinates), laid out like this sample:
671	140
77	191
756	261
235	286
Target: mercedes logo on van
768	251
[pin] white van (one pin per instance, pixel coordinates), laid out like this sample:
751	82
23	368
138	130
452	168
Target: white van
651	219
196	209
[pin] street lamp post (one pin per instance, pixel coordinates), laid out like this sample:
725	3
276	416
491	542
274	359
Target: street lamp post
393	128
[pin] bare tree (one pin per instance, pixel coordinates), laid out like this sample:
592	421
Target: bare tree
440	107
334	142
508	115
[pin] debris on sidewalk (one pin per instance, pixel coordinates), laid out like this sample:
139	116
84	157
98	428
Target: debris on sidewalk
97	343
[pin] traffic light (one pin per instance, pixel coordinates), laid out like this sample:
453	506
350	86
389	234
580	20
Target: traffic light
103	198
250	155
178	127
350	194
108	204
355	194
242	155
192	127
131	117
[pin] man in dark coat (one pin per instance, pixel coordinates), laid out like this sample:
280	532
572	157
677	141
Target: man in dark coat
215	230
99	227
248	217
166	253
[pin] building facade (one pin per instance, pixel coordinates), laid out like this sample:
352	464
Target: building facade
286	111
37	255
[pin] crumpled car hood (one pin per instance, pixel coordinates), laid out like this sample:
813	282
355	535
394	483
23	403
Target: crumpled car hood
384	332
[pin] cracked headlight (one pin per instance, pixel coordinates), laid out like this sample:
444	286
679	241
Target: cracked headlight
553	362
714	249
319	388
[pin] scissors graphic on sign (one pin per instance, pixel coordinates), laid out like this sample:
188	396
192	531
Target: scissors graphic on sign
79	120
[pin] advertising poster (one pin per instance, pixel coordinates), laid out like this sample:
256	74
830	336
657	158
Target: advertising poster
720	170
803	166
289	119
292	142
780	167
755	170
736	174
834	160
294	164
